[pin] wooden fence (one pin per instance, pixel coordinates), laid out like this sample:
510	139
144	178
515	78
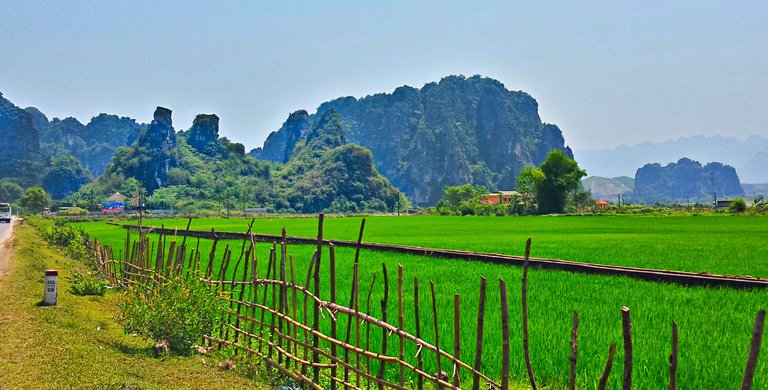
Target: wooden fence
287	325
656	275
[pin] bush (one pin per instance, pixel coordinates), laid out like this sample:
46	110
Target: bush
74	211
738	205
88	284
175	310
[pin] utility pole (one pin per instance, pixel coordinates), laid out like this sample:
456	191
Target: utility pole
398	203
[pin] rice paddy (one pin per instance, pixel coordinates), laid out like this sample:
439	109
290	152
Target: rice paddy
715	324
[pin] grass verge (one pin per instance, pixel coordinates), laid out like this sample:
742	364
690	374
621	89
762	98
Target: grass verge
78	344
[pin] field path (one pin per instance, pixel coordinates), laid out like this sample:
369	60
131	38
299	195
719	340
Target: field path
6	232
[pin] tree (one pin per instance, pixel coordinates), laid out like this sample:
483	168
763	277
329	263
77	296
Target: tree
529	179
561	176
35	200
738	205
10	191
461	200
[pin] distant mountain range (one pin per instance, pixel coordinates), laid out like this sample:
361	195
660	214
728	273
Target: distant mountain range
749	156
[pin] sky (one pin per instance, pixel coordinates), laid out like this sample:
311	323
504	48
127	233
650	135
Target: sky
607	73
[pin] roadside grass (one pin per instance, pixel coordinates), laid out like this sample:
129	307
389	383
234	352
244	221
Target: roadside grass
78	344
715	323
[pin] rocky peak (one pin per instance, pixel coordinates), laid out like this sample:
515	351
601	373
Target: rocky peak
162	115
204	133
279	145
160	133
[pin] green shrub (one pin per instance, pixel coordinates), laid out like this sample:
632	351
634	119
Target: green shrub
175	310
88	284
738	205
74	211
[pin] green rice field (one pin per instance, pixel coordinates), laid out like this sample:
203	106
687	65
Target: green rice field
715	323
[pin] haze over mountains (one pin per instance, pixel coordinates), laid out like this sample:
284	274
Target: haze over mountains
749	156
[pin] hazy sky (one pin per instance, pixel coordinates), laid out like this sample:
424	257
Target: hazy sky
608	73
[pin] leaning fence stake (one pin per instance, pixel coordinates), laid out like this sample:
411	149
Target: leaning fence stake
420	359
673	358
382	365
607	370
316	318
754	351
479	343
626	327
456	339
526	348
504	336
574	351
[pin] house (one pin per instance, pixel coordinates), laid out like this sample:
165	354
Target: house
602	203
117	197
722	204
501	197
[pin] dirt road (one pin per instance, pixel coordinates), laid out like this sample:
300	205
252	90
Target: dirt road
5	245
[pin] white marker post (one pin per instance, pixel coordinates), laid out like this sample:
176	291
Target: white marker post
51	287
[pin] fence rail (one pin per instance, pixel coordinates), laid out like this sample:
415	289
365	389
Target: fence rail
655	275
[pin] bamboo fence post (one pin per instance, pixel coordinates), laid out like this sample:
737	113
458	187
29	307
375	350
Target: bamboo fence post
264	303
754	351
254	290
293	306
368	331
419	356
479	342
209	269
352	304
307	285
456	340
231	294
400	321
626	328
332	269
574	351
607	370
673	358
526	347
504	335
382	363
242	294
440	372
283	295
316	319
273	305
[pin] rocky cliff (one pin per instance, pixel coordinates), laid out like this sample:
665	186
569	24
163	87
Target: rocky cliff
686	180
453	132
21	160
93	144
153	154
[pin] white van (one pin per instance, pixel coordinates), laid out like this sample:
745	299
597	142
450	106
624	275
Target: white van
5	212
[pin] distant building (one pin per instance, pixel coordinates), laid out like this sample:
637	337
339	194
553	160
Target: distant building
501	197
722	204
602	203
117	197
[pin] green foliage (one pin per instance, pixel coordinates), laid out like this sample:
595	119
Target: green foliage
738	205
529	180
561	176
87	284
74	211
10	191
175	310
462	200
64	176
35	200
